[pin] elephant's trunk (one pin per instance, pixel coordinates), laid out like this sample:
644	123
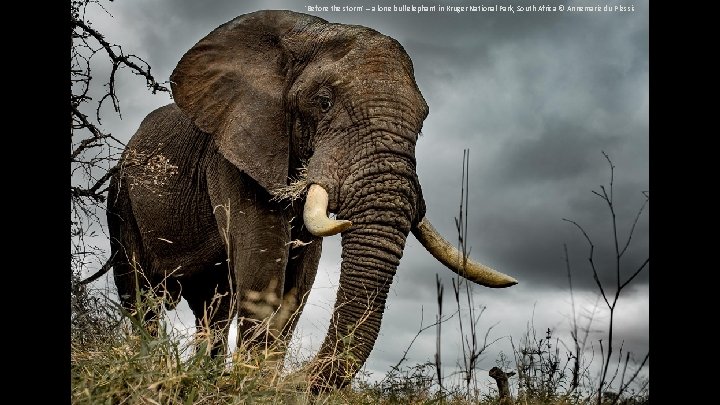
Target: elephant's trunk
370	256
380	197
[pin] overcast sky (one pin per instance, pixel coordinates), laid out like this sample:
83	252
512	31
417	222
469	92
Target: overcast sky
536	97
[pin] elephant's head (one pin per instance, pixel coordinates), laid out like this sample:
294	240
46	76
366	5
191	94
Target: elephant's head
279	89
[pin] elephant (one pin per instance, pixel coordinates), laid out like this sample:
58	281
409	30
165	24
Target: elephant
285	128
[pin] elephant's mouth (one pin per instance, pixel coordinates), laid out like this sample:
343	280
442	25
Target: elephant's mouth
319	224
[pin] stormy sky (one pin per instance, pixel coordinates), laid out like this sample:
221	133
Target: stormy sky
536	97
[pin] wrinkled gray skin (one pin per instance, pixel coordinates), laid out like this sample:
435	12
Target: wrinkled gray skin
254	100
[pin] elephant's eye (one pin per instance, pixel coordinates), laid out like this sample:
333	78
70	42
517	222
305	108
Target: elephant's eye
325	104
324	100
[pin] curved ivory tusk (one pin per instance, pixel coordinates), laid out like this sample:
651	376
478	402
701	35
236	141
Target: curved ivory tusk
315	214
448	255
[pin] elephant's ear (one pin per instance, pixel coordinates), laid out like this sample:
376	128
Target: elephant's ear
231	85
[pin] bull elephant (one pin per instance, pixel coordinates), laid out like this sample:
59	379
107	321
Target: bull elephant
279	118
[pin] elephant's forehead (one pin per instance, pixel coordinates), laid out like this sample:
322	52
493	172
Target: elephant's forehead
372	66
354	44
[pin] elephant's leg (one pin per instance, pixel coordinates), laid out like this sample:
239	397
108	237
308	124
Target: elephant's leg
301	270
260	259
135	298
210	295
256	233
133	275
142	296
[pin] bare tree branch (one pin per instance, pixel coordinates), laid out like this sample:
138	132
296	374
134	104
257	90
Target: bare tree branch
606	194
639	269
591	259
119	59
637	217
95	153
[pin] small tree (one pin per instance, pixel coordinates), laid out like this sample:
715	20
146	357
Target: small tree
94	152
611	299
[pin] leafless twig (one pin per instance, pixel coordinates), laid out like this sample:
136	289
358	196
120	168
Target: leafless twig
606	194
95	153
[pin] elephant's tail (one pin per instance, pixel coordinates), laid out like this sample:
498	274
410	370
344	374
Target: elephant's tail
104	269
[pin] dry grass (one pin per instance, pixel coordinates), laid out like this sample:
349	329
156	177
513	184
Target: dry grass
293	191
121	363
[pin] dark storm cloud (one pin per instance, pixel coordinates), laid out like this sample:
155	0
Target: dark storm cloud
536	104
563	150
536	97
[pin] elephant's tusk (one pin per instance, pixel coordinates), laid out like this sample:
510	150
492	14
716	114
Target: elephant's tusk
315	214
448	255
